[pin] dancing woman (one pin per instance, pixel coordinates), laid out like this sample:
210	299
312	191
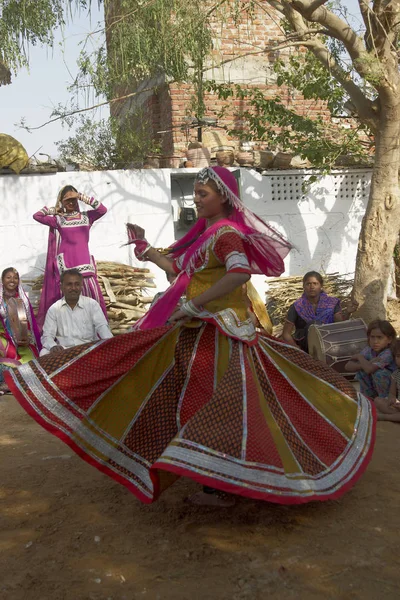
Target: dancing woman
206	396
14	352
68	246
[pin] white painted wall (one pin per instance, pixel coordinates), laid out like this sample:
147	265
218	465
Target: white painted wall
323	223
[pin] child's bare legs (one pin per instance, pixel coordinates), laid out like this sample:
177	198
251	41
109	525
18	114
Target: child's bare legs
387	412
376	384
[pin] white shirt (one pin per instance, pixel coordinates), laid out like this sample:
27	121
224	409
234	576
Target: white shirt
73	326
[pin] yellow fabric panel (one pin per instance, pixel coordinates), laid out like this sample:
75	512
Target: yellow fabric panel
202	280
259	307
290	464
117	408
339	410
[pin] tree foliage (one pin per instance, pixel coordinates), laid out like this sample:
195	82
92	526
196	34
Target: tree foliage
146	40
105	145
25	23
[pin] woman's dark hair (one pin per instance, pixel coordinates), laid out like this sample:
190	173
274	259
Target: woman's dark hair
396	347
313	274
9	270
384	326
67	188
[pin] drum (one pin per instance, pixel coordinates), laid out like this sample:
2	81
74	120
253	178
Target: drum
335	343
18	320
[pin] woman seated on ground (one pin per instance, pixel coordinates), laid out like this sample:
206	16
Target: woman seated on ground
15	352
375	364
314	307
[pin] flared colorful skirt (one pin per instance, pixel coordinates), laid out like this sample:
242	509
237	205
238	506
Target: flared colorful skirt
264	421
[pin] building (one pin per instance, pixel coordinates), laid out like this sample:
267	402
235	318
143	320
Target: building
239	56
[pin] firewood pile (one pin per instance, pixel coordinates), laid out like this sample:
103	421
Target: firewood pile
283	291
124	289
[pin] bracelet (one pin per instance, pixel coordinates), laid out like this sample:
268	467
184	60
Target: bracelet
190	309
140	254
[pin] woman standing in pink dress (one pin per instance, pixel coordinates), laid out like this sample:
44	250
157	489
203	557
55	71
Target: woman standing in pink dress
68	246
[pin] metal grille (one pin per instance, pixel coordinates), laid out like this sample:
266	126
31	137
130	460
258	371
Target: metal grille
294	187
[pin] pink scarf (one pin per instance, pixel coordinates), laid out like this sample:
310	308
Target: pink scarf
265	248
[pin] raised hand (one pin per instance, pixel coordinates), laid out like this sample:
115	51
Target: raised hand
135	232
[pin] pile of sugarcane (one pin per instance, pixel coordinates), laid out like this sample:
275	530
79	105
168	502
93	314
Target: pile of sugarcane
124	289
283	291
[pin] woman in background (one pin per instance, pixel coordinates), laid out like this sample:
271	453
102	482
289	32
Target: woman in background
14	352
68	246
313	307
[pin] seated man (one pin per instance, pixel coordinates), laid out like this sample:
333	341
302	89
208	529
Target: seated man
73	320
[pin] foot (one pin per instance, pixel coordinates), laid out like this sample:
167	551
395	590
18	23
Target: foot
4	389
217	498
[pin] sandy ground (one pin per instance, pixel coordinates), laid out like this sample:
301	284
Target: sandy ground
68	532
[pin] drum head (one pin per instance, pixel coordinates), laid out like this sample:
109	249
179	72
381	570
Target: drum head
17	319
315	343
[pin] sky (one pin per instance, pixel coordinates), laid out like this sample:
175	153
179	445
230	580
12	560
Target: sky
32	95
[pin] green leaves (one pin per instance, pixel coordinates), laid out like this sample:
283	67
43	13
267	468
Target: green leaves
281	128
25	22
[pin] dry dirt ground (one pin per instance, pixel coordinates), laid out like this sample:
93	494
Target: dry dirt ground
68	532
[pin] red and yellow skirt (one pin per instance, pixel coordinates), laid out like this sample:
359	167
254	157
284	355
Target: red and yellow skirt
264	421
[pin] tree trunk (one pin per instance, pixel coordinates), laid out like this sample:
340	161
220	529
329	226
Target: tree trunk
380	226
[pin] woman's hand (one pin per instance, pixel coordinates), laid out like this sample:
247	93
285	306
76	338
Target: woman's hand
352	307
178	315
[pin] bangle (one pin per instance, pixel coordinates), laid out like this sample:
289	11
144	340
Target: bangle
190	309
141	254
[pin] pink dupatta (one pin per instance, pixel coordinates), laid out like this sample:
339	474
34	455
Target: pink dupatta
265	248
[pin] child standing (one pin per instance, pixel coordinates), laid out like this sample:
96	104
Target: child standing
375	364
389	408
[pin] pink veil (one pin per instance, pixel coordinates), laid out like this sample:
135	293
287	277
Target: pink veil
265	248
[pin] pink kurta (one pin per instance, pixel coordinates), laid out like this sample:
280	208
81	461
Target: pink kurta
69	249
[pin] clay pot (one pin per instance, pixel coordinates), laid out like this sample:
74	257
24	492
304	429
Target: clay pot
245	159
225	158
282	160
200	157
266	159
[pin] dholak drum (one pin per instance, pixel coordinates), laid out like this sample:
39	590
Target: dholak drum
18	320
335	343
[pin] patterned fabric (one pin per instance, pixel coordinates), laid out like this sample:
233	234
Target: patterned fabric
229	250
324	312
263	421
378	383
383	359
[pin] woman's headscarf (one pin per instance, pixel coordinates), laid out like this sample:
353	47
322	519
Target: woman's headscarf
265	248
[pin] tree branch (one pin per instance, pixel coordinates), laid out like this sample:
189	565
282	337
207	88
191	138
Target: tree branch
365	108
81	110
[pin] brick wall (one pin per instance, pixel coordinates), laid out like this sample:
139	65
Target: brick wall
168	109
